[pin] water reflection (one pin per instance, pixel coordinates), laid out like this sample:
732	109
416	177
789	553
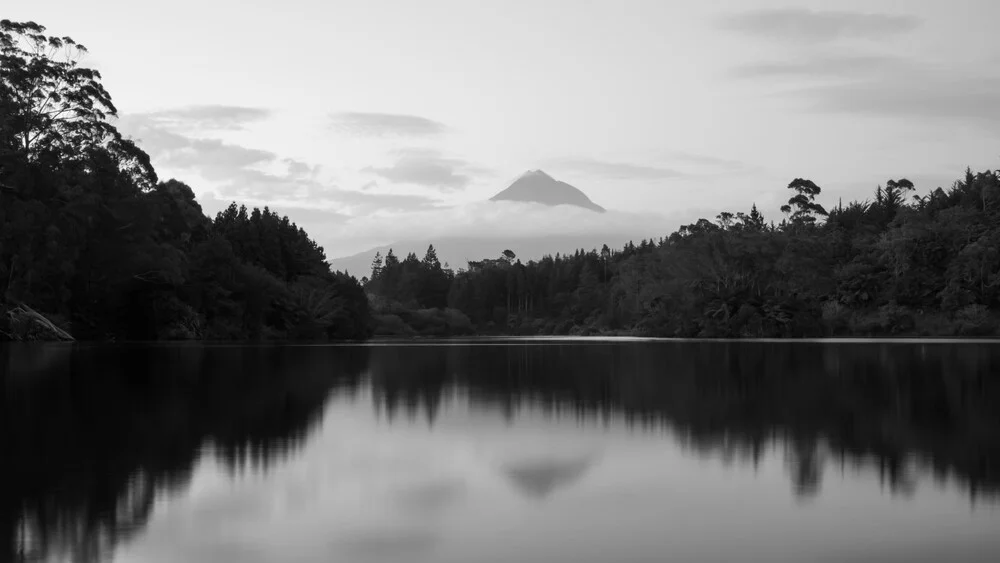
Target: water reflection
95	437
896	409
541	477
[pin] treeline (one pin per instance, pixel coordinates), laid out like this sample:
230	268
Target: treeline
409	297
93	245
897	264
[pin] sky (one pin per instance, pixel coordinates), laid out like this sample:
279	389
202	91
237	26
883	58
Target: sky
369	122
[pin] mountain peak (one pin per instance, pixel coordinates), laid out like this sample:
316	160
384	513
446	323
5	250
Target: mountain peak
538	187
537	173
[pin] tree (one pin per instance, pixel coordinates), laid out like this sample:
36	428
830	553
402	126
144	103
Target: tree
376	266
92	245
605	257
588	292
53	105
430	260
755	221
890	199
802	205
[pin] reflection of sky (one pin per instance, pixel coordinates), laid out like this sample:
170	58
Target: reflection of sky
368	490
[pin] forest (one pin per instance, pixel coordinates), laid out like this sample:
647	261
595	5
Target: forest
898	264
94	246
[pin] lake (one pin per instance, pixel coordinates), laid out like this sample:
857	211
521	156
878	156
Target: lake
503	451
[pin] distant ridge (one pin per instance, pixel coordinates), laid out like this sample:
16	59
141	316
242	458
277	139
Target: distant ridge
538	187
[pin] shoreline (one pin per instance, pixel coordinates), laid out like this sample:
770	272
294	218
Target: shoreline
510	339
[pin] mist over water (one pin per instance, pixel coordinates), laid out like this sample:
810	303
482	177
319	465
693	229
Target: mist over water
502	450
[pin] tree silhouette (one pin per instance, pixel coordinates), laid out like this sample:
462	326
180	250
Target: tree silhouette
802	205
92	244
55	106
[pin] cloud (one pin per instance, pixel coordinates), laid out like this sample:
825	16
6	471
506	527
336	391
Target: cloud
818	26
197	153
893	88
242	172
675	165
884	86
213	159
424	167
498	219
299	168
823	67
614	170
385	124
712	163
209	117
319	206
255	176
366	201
969	98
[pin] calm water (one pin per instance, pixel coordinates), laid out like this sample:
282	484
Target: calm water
502	451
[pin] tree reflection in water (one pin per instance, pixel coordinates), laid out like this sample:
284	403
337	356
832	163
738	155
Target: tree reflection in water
899	409
92	436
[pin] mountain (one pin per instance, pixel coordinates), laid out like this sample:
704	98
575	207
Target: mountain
535	187
538	187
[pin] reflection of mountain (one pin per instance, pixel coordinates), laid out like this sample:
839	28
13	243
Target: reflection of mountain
904	411
540	478
92	436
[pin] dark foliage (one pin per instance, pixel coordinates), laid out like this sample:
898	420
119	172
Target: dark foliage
898	265
91	239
